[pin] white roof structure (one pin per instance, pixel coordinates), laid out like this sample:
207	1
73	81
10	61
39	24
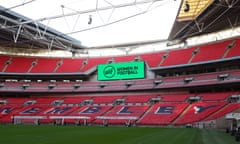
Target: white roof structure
102	22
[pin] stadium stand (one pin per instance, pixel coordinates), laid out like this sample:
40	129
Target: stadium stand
3	61
198	112
70	100
15	61
70	65
91	111
75	65
153	59
231	107
216	96
208	52
234	47
105	99
124	111
139	98
45	65
171	108
174	99
178	57
162	113
92	63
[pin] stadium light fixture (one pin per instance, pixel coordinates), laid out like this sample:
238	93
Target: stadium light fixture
186	7
90	20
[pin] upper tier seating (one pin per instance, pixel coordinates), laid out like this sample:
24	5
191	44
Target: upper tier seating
211	51
24	67
153	59
69	65
90	63
235	49
45	65
4	61
177	57
202	53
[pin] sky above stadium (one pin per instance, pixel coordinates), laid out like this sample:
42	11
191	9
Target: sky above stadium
102	22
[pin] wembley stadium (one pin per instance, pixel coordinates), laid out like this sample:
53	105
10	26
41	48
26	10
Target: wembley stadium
189	80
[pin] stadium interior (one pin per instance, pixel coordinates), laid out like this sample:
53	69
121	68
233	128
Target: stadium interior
191	79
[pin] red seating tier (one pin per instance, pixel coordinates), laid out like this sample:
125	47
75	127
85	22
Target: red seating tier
119	111
153	59
70	65
231	107
179	56
45	65
129	58
199	111
91	111
217	96
3	60
235	50
93	62
20	65
46	100
211	52
138	98
174	97
104	99
75	100
171	109
163	113
7	111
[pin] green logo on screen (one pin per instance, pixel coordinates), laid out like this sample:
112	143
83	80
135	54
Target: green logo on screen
109	71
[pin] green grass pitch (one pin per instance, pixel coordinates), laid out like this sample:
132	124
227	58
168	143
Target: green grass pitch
48	134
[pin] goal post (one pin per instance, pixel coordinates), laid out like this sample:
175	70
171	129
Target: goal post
127	119
27	119
58	119
61	119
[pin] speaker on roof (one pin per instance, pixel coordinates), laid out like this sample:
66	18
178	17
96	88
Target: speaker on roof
186	7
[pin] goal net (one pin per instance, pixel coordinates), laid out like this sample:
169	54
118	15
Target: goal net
27	119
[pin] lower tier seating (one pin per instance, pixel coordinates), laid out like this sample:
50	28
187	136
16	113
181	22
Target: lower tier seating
117	109
163	113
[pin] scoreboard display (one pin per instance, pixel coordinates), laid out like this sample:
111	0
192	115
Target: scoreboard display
121	71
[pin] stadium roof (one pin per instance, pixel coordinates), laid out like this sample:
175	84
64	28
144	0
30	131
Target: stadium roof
205	16
16	31
112	21
192	18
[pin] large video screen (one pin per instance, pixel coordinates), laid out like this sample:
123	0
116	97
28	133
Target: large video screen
121	71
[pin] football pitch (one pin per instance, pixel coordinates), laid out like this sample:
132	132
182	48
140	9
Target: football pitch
49	134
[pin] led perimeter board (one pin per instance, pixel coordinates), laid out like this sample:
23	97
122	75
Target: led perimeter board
121	71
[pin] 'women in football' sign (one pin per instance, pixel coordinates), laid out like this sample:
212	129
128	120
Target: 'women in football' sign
121	71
